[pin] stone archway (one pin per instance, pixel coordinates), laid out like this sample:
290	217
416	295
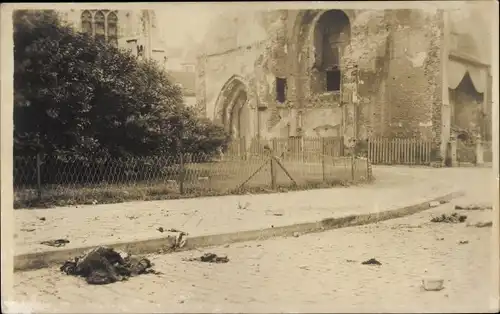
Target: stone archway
308	30
232	110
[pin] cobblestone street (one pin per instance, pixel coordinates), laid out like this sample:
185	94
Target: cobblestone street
316	272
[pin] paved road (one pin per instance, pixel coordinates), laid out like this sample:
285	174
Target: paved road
90	225
310	273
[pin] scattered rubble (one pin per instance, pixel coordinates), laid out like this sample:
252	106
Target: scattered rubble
463	242
103	265
55	243
453	218
371	261
481	224
209	258
171	230
474	207
42	218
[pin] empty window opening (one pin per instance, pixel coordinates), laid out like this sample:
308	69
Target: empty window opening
281	89
333	80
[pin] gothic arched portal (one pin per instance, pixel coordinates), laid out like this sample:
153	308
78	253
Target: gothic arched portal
232	110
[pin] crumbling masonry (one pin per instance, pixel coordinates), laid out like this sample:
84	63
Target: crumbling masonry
350	73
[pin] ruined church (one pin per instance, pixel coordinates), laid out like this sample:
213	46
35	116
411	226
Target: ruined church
356	74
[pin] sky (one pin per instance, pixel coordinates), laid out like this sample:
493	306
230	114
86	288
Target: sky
179	22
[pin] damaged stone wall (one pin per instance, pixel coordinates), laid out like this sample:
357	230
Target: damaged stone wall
391	83
257	58
366	63
414	86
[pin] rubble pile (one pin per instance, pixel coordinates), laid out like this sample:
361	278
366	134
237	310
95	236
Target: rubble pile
103	265
453	218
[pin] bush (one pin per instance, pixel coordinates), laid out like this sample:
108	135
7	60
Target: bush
82	98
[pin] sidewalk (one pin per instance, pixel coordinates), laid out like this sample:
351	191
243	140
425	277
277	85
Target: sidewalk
89	225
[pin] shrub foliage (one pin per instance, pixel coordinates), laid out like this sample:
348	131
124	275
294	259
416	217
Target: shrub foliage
76	97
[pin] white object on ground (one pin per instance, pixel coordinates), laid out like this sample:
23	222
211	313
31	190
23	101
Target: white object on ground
434	204
433	284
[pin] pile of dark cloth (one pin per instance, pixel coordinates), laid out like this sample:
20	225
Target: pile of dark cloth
104	265
453	218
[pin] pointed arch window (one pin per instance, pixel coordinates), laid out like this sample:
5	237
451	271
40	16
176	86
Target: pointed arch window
331	35
103	25
113	29
87	22
100	26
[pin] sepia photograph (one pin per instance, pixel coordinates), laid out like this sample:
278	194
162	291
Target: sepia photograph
250	157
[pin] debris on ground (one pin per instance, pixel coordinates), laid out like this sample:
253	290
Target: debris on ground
434	204
463	242
103	265
178	243
433	284
209	258
371	261
55	243
453	218
42	218
296	234
481	224
274	213
473	207
28	230
161	229
400	226
243	207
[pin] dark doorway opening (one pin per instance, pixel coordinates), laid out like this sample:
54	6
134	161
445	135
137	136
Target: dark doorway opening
333	79
280	90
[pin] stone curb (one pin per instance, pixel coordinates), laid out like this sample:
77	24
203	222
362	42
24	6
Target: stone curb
57	256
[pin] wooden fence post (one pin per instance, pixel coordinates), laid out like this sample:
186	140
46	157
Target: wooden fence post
181	177
323	158
39	176
353	159
273	174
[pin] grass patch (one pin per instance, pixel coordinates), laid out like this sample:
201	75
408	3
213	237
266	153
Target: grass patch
201	180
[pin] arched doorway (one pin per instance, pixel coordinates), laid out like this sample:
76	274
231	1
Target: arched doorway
232	110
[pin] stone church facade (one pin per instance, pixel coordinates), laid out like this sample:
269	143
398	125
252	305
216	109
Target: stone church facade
136	30
350	73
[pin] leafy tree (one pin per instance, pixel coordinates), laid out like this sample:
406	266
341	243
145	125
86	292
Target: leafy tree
76	96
